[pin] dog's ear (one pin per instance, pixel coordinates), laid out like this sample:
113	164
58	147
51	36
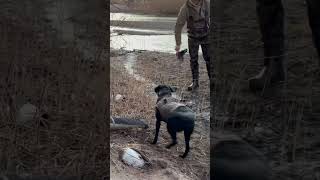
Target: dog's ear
173	89
157	89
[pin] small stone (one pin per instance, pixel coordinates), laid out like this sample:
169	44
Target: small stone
119	97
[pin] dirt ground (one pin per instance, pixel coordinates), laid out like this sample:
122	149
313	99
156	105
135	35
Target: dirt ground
283	123
158	68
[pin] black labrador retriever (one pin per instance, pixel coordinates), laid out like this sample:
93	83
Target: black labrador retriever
178	117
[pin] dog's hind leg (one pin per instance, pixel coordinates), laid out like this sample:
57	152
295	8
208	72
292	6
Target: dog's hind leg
187	137
173	135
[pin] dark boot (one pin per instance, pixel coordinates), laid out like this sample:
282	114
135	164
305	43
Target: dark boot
194	85
194	65
195	76
269	76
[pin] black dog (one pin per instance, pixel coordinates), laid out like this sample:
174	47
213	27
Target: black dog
178	117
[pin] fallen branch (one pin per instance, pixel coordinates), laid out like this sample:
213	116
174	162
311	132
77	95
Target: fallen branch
124	126
126	123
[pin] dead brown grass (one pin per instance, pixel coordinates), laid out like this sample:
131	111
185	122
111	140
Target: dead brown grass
136	102
164	68
60	82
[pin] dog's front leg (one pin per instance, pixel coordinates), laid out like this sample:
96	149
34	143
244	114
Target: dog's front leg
158	124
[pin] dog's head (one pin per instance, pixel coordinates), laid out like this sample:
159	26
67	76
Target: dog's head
164	90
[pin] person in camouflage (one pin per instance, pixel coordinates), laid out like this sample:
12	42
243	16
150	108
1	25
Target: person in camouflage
271	21
197	15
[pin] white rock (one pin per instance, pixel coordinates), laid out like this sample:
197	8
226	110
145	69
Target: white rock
118	97
132	158
26	113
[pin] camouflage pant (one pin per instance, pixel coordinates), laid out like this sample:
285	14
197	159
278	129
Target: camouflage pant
193	51
271	20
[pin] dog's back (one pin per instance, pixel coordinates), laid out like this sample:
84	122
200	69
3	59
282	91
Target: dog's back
169	107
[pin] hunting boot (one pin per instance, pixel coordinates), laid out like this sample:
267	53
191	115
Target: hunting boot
194	85
195	78
270	75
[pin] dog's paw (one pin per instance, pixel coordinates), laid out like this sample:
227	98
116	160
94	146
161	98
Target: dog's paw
153	142
183	156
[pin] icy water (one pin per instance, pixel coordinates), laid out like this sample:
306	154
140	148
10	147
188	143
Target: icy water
144	32
138	17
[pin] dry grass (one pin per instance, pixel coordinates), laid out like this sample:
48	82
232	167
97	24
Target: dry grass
287	116
164	68
60	82
139	103
136	104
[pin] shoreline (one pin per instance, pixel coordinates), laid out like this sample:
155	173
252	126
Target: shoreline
120	8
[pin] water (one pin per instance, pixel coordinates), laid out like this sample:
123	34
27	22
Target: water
136	31
159	43
144	32
138	17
